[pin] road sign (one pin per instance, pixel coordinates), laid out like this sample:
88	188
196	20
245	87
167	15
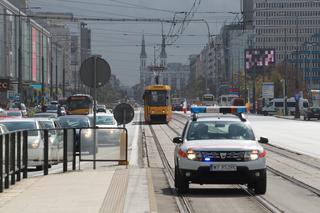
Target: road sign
102	68
123	113
4	85
268	90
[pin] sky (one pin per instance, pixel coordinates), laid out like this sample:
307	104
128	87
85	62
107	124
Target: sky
119	43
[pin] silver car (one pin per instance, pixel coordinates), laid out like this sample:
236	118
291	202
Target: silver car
35	138
219	149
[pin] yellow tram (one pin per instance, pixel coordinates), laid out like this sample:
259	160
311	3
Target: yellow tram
157	104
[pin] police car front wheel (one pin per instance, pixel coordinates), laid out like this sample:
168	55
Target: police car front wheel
260	186
180	182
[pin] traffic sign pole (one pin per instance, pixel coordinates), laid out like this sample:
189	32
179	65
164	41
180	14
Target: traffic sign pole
94	110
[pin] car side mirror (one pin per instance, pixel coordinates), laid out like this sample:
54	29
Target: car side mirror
263	140
177	140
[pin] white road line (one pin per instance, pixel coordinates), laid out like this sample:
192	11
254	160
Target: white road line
134	157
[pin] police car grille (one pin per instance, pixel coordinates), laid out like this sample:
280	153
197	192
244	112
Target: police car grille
224	156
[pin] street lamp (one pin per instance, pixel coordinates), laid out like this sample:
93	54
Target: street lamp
284	95
20	50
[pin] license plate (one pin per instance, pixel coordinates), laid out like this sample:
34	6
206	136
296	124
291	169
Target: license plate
223	167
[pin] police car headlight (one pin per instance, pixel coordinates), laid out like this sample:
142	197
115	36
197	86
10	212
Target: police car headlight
254	155
192	155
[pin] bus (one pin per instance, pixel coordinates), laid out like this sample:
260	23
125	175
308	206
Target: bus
79	104
208	100
157	104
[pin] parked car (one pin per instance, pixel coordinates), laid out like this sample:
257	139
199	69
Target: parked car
19	106
3	129
13	114
312	112
110	136
45	115
101	108
35	138
55	137
81	123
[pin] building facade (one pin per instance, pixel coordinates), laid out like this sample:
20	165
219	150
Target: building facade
24	55
292	28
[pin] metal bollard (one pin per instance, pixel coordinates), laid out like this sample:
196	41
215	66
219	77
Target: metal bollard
13	158
25	154
6	161
74	150
123	148
65	150
19	156
46	152
1	163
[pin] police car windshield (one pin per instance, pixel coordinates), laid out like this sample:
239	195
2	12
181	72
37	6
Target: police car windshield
219	130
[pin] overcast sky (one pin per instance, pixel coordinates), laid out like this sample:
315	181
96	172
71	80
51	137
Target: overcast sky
119	42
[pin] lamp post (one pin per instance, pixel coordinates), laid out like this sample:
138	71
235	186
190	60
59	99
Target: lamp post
20	50
297	96
284	95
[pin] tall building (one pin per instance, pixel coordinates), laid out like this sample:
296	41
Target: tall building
24	70
247	13
292	28
85	41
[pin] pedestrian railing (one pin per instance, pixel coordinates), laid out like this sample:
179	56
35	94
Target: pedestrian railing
41	148
22	150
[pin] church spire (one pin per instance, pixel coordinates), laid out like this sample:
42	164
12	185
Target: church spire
143	53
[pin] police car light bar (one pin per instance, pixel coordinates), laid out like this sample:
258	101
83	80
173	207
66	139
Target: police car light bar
218	109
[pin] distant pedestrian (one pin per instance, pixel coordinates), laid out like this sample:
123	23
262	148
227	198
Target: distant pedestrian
43	108
59	110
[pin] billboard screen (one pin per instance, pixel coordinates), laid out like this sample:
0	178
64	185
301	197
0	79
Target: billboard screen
259	58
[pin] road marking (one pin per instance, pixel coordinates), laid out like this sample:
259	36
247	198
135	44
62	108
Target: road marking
152	197
134	157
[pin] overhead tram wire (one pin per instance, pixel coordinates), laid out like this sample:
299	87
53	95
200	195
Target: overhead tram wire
122	5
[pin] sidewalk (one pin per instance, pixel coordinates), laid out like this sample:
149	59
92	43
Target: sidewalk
107	189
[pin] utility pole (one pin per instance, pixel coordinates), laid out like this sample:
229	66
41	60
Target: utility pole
285	72
42	71
63	75
297	96
56	97
51	69
20	58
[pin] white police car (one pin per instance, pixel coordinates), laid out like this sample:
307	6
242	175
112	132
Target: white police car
219	148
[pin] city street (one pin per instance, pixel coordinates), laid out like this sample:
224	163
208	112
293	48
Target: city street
159	106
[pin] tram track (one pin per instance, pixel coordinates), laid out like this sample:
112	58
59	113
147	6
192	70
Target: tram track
284	153
184	204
